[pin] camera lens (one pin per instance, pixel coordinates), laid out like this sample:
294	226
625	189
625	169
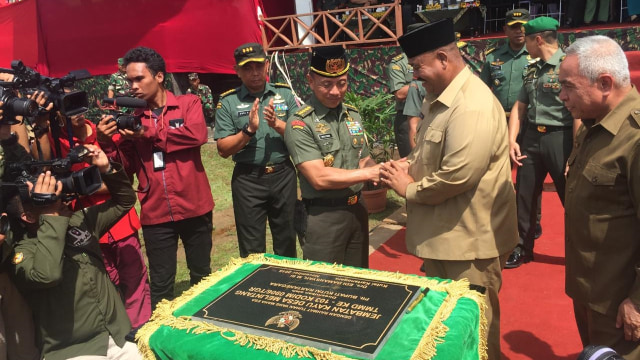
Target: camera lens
24	107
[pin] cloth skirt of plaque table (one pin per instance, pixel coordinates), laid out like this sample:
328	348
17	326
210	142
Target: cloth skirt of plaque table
448	323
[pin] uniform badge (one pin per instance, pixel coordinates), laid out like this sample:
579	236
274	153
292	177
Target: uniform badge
496	82
328	160
335	65
322	128
355	141
298	124
243	106
17	258
354	128
396	67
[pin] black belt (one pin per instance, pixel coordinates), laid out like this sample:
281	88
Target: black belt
547	128
269	169
333	202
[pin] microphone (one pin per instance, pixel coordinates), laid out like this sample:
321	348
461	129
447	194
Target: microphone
126	102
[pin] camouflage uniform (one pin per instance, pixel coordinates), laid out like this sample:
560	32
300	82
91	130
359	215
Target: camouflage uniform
119	85
204	92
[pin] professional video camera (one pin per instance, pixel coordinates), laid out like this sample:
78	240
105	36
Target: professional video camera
28	80
126	121
82	182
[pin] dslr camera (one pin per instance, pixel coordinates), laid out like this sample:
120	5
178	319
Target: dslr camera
123	120
13	106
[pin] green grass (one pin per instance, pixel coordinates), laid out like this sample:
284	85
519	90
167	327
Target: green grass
225	244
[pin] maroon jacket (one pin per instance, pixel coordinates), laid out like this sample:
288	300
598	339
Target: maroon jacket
181	190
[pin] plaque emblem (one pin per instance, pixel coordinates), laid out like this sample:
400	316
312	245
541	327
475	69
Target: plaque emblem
335	65
289	319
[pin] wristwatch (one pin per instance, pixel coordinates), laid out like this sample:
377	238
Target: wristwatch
245	130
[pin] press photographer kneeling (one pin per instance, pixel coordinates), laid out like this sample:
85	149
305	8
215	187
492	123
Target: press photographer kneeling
58	266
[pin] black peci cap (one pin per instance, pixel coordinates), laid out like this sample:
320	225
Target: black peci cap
428	37
329	61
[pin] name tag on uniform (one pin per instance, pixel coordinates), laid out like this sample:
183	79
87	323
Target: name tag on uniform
158	161
243	113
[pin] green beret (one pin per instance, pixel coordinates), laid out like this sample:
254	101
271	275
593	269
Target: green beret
540	24
120	61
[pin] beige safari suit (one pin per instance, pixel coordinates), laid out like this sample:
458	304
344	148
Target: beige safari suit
461	209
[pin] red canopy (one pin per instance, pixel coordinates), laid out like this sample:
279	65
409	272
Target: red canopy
55	37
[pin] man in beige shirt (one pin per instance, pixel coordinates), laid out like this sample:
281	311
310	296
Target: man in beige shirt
461	208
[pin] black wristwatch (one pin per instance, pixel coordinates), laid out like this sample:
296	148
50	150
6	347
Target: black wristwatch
245	130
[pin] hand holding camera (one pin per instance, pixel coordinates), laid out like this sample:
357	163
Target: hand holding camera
46	193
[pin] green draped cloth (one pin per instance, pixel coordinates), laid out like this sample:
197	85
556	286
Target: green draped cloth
448	323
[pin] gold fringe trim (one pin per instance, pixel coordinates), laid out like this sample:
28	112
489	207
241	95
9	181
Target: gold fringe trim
163	315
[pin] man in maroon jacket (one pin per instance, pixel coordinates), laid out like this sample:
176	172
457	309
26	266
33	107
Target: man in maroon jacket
164	153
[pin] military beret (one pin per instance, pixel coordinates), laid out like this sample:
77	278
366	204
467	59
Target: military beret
428	37
192	76
249	52
517	16
329	61
121	61
539	24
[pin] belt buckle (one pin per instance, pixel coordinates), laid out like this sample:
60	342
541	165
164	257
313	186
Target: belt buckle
352	200
269	169
542	128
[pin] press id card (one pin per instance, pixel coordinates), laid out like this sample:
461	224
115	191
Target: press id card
158	160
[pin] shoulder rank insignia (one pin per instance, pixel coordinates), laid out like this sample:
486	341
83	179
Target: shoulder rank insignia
282	85
228	92
305	110
398	57
489	51
636	115
396	67
351	107
298	124
17	258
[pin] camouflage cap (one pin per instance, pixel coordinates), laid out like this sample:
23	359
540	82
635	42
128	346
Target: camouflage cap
517	16
192	76
540	24
120	61
249	52
329	61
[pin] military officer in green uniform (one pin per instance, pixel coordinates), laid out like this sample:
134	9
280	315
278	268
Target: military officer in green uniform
326	141
118	84
504	69
204	92
400	74
413	109
250	123
548	138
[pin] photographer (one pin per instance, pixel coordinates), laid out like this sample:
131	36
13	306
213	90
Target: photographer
17	334
164	153
58	266
120	246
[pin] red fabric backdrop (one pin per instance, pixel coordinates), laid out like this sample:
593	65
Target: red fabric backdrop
56	37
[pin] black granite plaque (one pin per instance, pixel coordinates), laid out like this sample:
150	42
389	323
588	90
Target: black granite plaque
326	311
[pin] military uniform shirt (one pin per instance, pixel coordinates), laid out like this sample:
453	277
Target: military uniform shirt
204	92
119	85
415	96
503	72
602	208
335	136
267	146
399	74
541	91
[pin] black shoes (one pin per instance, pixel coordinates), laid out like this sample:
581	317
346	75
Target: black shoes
518	257
538	231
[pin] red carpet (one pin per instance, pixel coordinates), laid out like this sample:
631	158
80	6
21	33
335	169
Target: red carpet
537	317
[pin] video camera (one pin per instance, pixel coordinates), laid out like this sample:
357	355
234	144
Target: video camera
123	120
82	182
28	80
